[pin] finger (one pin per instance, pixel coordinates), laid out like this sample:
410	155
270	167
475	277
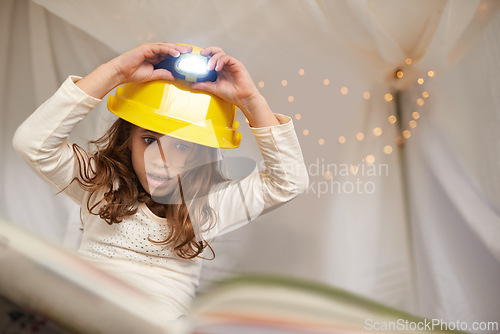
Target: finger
211	50
161	74
221	62
205	86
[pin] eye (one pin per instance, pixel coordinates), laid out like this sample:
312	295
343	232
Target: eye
182	147
149	140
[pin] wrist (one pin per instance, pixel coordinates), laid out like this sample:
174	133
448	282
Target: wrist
258	112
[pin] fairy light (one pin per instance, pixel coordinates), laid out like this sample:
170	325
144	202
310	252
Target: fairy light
406	134
298	116
415	115
344	90
408	61
328	175
392	119
412	124
377	131
420	81
387	149
321	141
261	84
284	83
305	132
430	73
400	74
399	140
370	159
342	139
360	136
354	169
388	97
326	82
366	95
291	98
420	102
302	71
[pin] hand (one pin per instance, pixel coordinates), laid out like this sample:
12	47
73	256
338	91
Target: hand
234	84
135	65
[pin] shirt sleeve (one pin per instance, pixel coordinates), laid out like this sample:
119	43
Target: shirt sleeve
42	139
284	177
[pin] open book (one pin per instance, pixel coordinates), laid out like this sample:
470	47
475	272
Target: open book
37	275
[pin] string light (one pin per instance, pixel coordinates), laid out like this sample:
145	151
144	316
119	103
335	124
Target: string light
388	97
354	169
298	116
408	61
370	159
284	83
305	132
366	95
415	115
261	84
392	119
291	98
321	141
377	131
387	149
420	81
420	102
399	74
406	134
344	90
425	94
302	71
430	73
326	82
412	124
342	139
328	175
360	136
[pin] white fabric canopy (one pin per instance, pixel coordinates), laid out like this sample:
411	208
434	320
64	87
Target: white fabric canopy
412	222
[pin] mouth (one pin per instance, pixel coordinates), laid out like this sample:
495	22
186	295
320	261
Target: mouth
158	181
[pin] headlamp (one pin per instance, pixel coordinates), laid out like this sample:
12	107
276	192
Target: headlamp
190	67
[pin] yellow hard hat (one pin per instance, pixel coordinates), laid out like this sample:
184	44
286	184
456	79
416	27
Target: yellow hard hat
173	109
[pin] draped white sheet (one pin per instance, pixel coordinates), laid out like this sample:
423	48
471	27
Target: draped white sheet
420	232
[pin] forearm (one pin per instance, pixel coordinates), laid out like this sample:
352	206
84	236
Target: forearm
100	82
258	112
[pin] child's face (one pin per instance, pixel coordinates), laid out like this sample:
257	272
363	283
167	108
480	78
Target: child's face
157	159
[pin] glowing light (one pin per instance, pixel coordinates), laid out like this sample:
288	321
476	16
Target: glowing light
370	159
305	132
261	84
431	73
342	139
406	134
326	82
408	61
192	64
344	90
415	115
302	71
377	131
420	81
425	94
291	98
420	102
284	83
399	140
366	95
399	74
412	124
354	170
328	175
388	97
387	149
360	136
298	116
392	119
321	141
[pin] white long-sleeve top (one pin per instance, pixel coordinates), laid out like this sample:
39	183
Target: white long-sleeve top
123	249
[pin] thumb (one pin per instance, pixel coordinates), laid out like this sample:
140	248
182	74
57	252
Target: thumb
206	86
161	74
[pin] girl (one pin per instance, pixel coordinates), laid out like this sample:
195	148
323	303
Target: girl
132	225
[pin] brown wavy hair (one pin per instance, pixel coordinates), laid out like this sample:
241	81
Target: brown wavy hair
109	170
